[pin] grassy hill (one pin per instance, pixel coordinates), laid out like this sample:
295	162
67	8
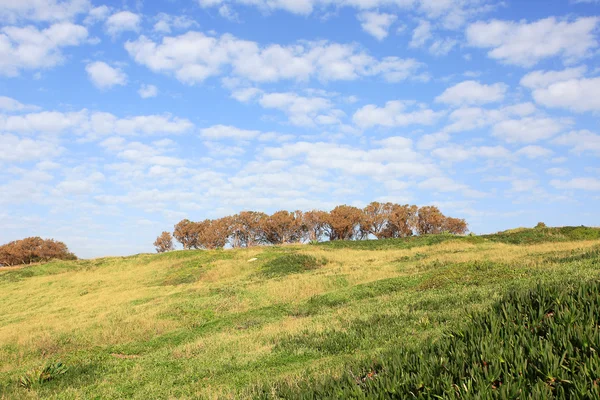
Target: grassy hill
230	323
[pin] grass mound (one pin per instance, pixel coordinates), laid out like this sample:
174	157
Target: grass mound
541	235
520	236
540	343
291	264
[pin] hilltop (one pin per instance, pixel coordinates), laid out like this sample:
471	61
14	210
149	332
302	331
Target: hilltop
228	323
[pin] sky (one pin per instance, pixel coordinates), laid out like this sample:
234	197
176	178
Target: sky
119	119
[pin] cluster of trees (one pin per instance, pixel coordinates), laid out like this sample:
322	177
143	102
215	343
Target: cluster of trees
252	228
33	249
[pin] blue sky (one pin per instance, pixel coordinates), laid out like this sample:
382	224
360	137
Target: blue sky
119	119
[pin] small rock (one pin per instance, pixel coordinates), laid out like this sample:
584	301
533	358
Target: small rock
252	259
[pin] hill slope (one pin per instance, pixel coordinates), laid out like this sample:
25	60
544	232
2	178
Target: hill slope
212	324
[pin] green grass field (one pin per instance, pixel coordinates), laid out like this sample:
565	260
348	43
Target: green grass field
218	324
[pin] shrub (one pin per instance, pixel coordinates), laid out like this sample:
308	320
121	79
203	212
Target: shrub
540	225
541	343
164	243
33	249
38	376
291	264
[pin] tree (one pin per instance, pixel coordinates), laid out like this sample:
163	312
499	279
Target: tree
246	229
402	221
430	220
164	243
186	233
342	222
313	223
33	249
455	226
213	234
283	227
375	219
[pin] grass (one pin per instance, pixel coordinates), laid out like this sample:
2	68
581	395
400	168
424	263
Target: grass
538	343
215	324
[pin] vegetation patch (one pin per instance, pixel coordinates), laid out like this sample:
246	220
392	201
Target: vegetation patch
190	270
542	343
319	303
291	264
542	235
38	376
592	254
352	336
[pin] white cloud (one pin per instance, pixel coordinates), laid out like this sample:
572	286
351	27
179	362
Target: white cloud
194	57
429	141
472	92
93	124
586	183
543	79
525	44
122	21
18	150
103	76
393	157
97	14
10	104
527	130
228	132
301	110
226	12
147	91
558	171
456	153
465	119
47	10
579	95
451	13
246	94
140	154
302	7
580	141
165	23
564	89
535	152
441	47
376	24
394	114
445	184
421	34
28	48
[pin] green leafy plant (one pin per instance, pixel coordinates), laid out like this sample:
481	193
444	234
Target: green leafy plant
291	264
38	376
540	343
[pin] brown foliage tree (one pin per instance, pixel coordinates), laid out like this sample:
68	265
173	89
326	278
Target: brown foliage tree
283	227
251	228
430	220
164	243
342	222
186	233
246	229
455	226
213	234
375	219
314	223
33	249
402	221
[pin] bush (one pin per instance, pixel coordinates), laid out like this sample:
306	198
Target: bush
33	249
291	264
541	343
38	376
540	225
